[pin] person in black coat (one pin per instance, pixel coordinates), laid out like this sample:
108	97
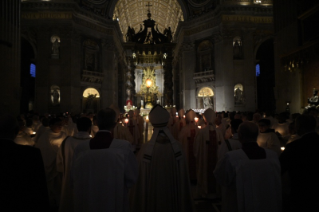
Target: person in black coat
22	183
300	160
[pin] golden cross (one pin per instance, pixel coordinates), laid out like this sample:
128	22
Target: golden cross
148	5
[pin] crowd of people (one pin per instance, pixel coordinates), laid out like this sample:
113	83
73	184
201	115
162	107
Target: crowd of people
101	162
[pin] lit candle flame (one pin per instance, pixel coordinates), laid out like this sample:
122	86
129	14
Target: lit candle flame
34	133
183	116
199	127
196	119
126	121
282	148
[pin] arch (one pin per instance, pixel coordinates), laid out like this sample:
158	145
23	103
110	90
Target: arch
91	91
205	91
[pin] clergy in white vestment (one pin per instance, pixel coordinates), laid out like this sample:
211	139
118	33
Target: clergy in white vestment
205	151
133	128
233	143
253	173
140	124
119	131
163	182
65	158
182	121
173	124
69	127
103	169
36	123
23	138
49	143
44	127
267	137
187	139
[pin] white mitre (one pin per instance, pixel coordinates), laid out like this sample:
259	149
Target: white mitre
159	116
210	116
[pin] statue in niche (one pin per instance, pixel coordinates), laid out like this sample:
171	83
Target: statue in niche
90	101
238	96
237	50
55	96
207	102
89	61
55	47
314	100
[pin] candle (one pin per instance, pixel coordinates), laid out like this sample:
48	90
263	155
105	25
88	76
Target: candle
126	121
196	119
199	127
146	119
183	116
282	148
34	133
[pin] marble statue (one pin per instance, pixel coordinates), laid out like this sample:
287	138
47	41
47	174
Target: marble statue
55	96
238	96
55	47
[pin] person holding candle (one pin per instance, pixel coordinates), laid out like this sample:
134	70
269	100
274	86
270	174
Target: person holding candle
205	150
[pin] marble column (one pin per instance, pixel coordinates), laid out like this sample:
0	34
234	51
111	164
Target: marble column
168	79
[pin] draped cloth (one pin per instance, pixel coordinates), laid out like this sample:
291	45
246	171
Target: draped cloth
205	151
101	177
187	139
64	163
257	183
163	183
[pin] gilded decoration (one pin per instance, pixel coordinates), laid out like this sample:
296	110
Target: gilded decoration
149	77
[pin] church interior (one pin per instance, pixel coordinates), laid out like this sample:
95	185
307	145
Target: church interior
228	55
230	59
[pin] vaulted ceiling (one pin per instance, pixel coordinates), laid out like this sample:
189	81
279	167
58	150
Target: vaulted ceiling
166	13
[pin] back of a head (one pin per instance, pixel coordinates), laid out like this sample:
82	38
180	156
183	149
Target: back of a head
210	116
305	124
265	122
45	122
8	126
235	124
83	124
247	132
106	119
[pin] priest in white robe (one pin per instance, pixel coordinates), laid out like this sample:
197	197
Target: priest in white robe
49	143
103	169
173	124
119	131
163	183
253	173
65	159
44	127
133	128
187	139
267	137
205	151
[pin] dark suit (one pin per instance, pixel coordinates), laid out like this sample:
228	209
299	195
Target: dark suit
23	183
301	160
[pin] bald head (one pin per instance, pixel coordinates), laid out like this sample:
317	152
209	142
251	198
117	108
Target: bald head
9	127
247	132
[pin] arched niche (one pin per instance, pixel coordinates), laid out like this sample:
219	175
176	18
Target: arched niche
237	47
91	100
55	40
239	94
55	95
205	98
205	56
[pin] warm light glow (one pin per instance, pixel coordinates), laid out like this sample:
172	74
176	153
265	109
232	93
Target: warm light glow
146	119
34	133
91	91
199	127
183	116
126	121
282	148
90	136
148	83
196	119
